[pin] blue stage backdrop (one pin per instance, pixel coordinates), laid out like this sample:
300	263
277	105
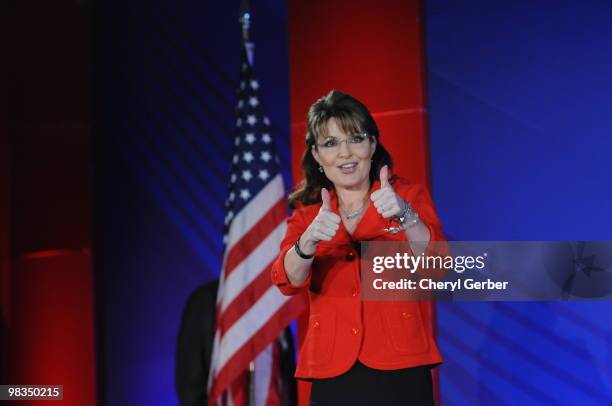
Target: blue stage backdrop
166	75
520	135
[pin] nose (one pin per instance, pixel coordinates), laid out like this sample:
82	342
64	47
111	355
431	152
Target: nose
345	150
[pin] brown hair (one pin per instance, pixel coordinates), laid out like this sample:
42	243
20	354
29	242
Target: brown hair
353	117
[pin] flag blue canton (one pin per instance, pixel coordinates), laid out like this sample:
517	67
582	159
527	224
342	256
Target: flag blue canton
254	159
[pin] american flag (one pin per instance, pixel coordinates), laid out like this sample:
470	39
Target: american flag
251	312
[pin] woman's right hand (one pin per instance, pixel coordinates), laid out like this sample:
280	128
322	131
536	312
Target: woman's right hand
322	228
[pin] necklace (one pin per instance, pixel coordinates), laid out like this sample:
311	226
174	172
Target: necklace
353	214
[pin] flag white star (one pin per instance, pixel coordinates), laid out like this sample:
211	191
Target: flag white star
225	239
242	85
246	175
263	174
230	215
237	141
266	138
251	119
235	159
233	178
250	138
238	122
232	196
254	84
266	120
245	194
265	156
253	101
240	104
247	156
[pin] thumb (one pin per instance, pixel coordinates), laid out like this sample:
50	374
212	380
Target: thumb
384	176
325	199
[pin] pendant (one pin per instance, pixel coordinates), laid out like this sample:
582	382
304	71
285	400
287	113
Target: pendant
350	216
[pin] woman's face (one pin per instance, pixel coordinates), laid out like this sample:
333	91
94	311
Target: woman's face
345	158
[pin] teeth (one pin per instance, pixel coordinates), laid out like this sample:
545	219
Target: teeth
347	166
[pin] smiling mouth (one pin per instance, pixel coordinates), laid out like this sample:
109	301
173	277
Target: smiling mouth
348	167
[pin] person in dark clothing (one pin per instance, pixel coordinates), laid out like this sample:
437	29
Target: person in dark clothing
194	345
194	350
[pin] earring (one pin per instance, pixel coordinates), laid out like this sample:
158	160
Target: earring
320	169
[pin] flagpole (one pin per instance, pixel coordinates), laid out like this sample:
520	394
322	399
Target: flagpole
245	22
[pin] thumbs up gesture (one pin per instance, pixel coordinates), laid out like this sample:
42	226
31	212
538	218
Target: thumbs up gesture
387	203
323	227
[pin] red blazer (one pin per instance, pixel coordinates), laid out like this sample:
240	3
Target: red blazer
342	328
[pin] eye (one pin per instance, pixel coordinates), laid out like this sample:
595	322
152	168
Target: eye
330	142
357	139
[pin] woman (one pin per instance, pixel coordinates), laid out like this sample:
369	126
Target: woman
355	351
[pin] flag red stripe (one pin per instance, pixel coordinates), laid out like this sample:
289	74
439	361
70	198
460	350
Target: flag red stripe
264	336
255	236
274	388
240	389
245	300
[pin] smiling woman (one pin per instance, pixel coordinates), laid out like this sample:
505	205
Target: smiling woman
341	131
345	160
355	350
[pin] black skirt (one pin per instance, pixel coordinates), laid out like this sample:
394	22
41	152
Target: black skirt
362	385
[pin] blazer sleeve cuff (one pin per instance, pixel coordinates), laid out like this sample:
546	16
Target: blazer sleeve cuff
280	279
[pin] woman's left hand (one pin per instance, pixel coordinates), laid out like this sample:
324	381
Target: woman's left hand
386	201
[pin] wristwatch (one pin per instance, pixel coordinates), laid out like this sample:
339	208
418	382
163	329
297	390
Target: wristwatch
299	251
408	217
